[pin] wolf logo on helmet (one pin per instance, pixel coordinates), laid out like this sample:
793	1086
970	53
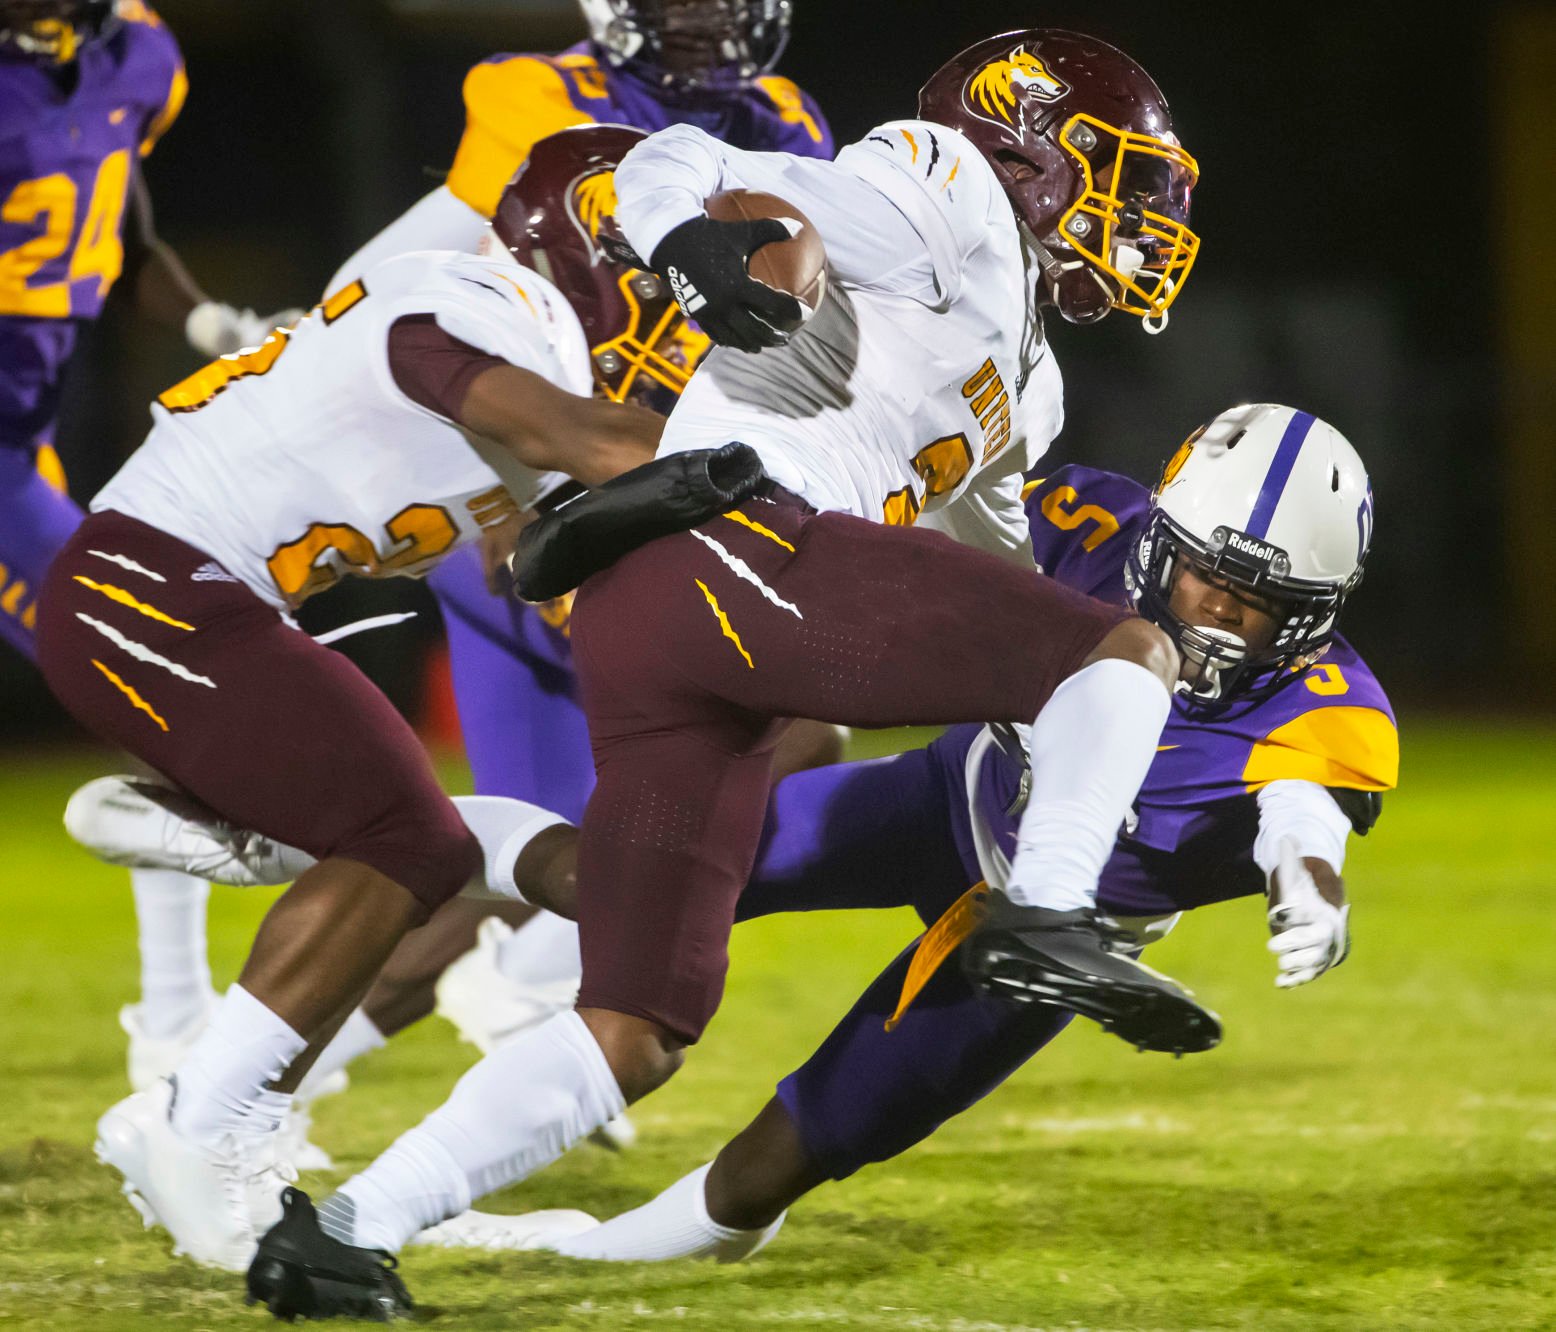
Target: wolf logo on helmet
558	217
593	196
1082	142
1006	85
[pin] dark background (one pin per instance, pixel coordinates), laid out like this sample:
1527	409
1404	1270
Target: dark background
1363	167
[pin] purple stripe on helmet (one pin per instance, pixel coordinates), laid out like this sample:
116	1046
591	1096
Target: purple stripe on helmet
1280	471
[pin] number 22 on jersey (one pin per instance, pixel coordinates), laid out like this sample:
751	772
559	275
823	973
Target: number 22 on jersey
418	533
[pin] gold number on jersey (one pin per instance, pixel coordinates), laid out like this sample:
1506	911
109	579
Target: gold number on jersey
1327	679
1068	520
53	199
191	394
99	251
419	532
941	466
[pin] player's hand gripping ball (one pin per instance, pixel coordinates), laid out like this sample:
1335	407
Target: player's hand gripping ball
750	272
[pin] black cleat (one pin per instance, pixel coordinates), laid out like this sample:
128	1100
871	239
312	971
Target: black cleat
1076	960
300	1272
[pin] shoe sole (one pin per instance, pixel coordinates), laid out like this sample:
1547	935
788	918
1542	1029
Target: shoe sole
1148	1017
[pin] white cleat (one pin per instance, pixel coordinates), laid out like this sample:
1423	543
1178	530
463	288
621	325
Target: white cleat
152	1058
214	1202
142	824
506	1234
295	1145
489	1008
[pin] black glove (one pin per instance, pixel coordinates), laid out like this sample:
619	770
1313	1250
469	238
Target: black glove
704	262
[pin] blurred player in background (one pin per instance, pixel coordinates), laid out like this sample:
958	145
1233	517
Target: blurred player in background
87	87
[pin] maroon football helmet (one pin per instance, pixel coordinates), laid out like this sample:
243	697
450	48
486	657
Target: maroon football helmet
558	217
1081	139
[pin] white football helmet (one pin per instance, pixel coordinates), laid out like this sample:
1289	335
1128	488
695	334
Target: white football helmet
1277	503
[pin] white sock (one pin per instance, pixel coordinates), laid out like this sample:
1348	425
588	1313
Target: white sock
357	1036
270	1110
676	1224
504	827
516	1111
1091	747
175	974
223	1078
543	951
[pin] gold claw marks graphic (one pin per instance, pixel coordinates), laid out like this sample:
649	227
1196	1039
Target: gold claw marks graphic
735	516
129	692
724	624
134	603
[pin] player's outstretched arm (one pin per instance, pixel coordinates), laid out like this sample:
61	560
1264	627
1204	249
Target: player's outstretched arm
549	429
1301	848
164	290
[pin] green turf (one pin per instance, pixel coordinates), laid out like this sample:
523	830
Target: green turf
1377	1151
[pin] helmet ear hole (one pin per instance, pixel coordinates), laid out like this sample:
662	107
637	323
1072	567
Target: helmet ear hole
1018	167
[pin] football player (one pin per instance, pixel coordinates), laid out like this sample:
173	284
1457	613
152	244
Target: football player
648	64
87	87
1044	165
1278	745
423	402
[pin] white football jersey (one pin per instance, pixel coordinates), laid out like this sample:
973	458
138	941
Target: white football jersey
923	384
301	460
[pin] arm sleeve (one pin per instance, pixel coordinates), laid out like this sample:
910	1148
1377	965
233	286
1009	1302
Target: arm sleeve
172	104
432	367
510	104
1306	813
439	221
871	242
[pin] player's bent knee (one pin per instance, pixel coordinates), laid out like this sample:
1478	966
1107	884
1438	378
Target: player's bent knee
642	1055
428	851
1143	643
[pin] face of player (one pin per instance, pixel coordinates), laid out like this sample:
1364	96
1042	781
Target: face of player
1207	600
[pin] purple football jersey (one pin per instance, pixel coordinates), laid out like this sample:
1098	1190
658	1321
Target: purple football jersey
68	151
1196	815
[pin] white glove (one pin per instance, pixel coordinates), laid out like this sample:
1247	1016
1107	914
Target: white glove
1309	934
215	329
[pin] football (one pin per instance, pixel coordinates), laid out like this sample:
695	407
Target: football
798	265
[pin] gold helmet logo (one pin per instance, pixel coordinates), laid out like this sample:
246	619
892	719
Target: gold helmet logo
996	91
1175	463
594	203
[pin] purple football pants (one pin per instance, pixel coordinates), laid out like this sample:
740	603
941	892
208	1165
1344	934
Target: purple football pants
35	522
524	731
876	835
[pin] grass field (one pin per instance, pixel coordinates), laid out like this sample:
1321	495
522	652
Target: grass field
1377	1151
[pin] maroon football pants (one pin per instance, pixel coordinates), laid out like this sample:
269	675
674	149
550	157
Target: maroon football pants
152	645
690	652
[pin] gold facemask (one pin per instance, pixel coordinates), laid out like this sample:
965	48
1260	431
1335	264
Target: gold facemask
1147	254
